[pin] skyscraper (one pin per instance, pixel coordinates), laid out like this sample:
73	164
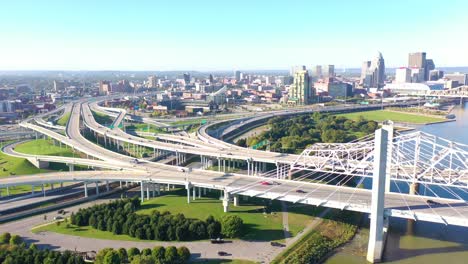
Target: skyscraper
104	87
152	81
294	69
403	75
211	78
328	71
299	92
187	78
317	71
365	68
417	60
373	72
378	69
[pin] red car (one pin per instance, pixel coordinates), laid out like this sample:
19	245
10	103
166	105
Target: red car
265	183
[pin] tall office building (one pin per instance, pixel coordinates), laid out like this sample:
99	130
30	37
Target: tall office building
373	72
297	68
211	78
403	75
152	81
300	90
187	78
104	87
419	60
364	70
328	71
317	71
238	75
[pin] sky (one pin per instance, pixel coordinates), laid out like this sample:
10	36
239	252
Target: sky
225	35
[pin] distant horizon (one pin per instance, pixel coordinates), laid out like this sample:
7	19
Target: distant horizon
208	35
208	71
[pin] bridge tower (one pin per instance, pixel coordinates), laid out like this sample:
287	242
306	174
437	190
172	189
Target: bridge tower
379	222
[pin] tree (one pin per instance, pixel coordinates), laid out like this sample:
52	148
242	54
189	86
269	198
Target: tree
123	255
116	228
144	260
15	240
112	257
5	238
171	256
132	252
146	252
184	254
232	226
100	256
158	253
214	229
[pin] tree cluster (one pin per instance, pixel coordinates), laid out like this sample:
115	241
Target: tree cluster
119	217
294	134
157	255
14	251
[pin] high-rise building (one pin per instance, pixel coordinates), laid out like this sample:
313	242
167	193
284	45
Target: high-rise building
104	87
211	78
417	60
435	75
317	71
328	71
364	70
403	75
374	76
238	75
152	81
300	90
417	75
461	78
187	78
296	68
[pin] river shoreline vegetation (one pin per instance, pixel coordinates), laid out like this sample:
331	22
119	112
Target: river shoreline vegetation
294	134
337	228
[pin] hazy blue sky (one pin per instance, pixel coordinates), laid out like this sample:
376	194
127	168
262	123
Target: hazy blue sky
216	34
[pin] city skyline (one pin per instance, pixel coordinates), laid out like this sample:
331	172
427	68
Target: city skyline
207	36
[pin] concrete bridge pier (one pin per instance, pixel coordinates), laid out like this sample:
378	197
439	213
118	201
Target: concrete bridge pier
187	186
107	186
158	188
86	189
377	218
194	195
236	200
142	194
32	189
43	190
71	167
97	188
148	194
226	202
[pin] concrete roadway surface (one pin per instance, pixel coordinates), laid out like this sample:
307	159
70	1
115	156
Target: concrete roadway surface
238	249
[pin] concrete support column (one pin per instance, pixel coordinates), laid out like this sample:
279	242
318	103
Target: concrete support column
51	186
120	183
142	192
187	186
42	190
226	202
148	195
204	191
414	188
158	187
376	232
199	192
86	189
153	188
97	188
107	186
194	195
71	167
61	185
32	190
219	165
236	200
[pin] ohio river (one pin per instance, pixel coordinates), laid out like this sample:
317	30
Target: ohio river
418	242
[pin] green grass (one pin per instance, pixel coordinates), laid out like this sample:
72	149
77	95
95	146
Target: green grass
102	118
64	119
44	147
16	166
382	115
259	225
144	128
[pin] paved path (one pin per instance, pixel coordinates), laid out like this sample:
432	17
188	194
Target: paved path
317	220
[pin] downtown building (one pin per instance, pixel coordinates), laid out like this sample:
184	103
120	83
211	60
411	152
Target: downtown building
373	73
300	91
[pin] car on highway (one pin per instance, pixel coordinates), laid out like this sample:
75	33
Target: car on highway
58	217
223	253
276	244
300	191
265	183
275	183
432	202
217	241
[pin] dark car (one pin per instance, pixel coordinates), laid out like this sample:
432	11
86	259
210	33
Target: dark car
217	241
276	244
431	202
222	253
300	191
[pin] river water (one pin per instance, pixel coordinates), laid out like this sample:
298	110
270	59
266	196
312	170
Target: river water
418	242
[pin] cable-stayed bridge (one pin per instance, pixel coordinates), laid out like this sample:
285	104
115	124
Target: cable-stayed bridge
326	175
